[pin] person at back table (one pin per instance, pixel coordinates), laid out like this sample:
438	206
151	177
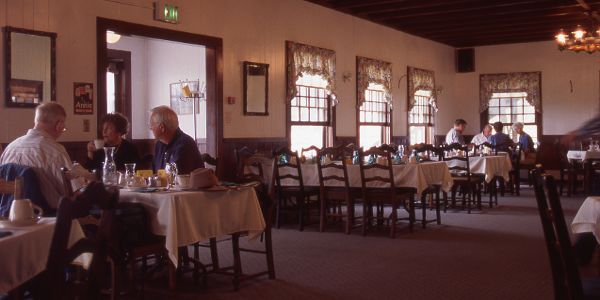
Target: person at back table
40	150
172	145
500	140
455	134
483	136
114	127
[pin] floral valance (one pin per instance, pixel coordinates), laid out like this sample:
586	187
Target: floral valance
420	79
528	82
373	71
303	58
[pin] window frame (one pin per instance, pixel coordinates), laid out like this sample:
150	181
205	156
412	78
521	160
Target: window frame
427	125
386	126
484	118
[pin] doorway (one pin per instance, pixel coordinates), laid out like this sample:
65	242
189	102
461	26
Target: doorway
113	73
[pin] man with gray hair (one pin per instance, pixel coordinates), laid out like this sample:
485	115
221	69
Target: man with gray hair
40	150
172	145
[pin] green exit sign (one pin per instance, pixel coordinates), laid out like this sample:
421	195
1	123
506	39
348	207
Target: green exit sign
166	12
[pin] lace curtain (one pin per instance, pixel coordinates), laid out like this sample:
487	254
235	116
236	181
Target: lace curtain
420	79
303	58
373	71
528	82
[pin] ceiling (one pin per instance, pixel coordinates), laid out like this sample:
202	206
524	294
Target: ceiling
468	23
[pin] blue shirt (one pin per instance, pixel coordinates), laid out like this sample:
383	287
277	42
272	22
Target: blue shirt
526	142
182	150
501	141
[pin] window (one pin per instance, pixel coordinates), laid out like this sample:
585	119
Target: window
509	108
110	91
374	118
421	119
309	113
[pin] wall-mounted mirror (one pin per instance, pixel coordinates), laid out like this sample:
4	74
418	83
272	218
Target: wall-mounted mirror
256	89
30	67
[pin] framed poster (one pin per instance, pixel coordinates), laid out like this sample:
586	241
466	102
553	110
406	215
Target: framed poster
26	92
83	101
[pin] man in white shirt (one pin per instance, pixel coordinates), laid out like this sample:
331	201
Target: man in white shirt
483	136
455	134
38	149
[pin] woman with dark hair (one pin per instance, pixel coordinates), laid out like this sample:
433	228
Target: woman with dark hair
114	127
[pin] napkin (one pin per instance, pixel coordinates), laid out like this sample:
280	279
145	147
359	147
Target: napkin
203	178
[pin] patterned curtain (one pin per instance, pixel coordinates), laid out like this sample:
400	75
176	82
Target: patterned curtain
373	71
303	58
420	79
528	82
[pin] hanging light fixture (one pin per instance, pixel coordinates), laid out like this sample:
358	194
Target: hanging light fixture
112	37
579	40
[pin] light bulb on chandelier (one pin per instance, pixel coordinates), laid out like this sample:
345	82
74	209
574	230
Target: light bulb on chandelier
578	40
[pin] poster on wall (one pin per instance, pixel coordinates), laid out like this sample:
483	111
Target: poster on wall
83	98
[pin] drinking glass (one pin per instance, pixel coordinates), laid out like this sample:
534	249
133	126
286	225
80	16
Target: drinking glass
171	170
130	174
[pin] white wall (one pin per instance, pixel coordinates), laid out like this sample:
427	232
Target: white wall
253	30
563	110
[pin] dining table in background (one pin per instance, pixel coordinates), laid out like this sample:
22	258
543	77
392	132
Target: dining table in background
582	155
489	165
24	253
587	218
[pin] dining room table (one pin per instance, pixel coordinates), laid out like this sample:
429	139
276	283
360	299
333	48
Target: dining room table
420	176
582	155
24	252
587	218
186	217
490	165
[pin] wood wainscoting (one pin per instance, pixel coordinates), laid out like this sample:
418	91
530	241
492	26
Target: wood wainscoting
227	163
78	151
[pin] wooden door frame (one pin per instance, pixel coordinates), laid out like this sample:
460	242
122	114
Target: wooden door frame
214	66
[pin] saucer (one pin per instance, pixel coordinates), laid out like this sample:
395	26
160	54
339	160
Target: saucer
5	223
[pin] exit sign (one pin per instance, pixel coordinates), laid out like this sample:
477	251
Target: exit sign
166	12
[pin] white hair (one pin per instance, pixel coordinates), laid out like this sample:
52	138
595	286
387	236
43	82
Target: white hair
518	125
165	115
49	113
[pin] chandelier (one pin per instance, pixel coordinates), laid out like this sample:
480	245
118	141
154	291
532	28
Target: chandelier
579	40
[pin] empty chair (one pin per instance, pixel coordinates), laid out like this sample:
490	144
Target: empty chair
460	169
30	188
289	184
334	187
436	153
378	190
567	281
211	162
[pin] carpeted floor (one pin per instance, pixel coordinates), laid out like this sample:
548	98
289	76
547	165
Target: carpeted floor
496	253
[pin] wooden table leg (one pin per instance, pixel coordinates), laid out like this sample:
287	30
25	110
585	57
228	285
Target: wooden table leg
172	273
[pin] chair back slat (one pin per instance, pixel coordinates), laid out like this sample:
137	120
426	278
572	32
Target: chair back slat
336	170
565	273
290	170
430	150
367	177
312	148
463	167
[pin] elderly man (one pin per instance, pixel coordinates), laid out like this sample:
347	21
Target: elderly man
40	150
455	134
484	136
172	145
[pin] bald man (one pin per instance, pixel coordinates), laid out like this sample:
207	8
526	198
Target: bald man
172	144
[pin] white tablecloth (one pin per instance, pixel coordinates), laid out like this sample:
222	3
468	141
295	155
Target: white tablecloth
24	254
588	217
185	218
419	176
582	155
491	166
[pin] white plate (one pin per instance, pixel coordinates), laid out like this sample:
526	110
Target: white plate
5	223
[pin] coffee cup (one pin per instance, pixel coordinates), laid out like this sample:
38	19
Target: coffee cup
98	143
23	211
183	181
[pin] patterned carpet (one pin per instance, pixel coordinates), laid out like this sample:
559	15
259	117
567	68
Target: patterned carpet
496	253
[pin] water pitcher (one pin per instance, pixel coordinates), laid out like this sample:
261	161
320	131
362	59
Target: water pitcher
110	176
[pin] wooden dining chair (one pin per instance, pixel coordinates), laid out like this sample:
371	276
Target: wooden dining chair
431	152
565	273
312	149
469	184
211	162
491	188
379	190
289	184
335	188
53	283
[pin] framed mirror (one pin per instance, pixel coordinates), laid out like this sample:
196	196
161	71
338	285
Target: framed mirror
256	89
30	67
